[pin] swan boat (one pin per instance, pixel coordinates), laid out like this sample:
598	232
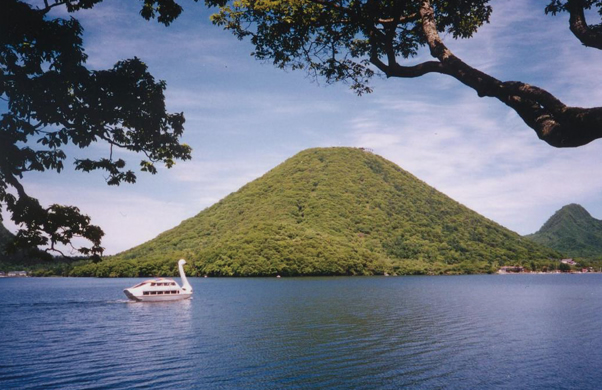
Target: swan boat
162	289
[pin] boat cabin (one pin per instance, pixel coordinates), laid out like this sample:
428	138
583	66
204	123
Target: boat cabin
158	287
153	284
161	292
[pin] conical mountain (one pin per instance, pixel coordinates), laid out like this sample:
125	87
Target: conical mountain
572	230
331	211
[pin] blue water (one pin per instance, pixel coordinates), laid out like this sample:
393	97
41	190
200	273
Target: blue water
499	332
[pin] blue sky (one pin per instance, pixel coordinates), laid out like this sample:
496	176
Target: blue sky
244	117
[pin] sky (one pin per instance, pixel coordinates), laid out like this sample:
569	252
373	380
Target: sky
244	117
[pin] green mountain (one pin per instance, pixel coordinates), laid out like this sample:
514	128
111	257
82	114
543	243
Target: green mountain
572	230
330	211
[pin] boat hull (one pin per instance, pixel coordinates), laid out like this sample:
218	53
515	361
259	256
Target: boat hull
156	298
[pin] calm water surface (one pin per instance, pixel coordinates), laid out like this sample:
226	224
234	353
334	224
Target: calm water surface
499	332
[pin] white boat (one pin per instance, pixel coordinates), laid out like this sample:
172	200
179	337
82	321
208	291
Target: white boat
162	289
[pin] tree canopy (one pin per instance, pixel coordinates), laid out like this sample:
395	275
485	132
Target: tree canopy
51	101
348	40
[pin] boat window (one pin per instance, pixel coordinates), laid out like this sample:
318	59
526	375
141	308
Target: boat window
153	284
153	292
145	293
173	284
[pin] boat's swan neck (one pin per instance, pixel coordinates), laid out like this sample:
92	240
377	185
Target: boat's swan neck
185	285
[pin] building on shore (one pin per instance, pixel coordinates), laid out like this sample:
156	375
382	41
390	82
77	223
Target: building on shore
17	274
568	261
512	269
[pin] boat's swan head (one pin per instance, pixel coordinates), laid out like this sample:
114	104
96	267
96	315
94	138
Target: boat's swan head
181	262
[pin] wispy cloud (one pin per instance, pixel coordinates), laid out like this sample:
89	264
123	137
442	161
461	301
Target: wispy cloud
128	218
257	102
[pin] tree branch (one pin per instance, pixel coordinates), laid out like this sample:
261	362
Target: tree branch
579	27
552	120
48	7
13	182
402	19
53	249
396	70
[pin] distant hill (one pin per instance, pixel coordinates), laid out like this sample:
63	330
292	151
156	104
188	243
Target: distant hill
5	238
24	258
572	230
330	211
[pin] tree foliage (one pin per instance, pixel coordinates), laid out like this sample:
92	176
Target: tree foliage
347	40
52	102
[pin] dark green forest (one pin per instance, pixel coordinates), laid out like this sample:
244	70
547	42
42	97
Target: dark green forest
37	262
39	267
330	211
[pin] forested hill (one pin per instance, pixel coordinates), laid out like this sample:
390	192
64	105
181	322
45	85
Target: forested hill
5	237
330	211
20	259
573	231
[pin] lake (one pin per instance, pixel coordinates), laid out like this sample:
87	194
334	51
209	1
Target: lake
478	331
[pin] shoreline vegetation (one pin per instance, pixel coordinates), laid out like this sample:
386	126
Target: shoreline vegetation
116	268
86	268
